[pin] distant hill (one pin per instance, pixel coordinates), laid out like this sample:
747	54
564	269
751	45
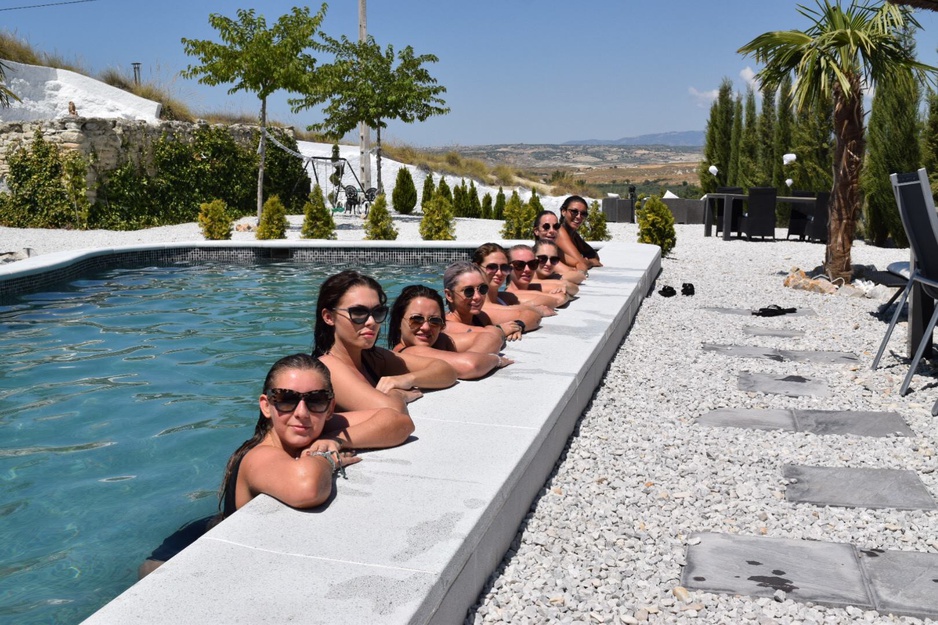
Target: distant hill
693	138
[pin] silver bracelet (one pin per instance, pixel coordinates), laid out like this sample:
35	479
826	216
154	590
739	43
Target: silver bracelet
328	456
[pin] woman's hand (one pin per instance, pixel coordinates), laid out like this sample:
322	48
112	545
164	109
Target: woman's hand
388	383
511	329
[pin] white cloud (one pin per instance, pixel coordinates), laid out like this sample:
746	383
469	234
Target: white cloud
703	98
749	75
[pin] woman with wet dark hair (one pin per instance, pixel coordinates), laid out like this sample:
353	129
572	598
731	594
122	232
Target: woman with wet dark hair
546	228
349	313
501	305
418	326
574	251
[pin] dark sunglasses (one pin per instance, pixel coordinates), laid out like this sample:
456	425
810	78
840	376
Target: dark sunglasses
576	212
543	259
549	226
469	291
519	265
359	314
494	267
416	321
286	400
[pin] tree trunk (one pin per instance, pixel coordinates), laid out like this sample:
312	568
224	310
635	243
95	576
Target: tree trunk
261	150
378	159
845	197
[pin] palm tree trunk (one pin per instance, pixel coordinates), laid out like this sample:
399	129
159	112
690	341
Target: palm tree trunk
261	149
848	161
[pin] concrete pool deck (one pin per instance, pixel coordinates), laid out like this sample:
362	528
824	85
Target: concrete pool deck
413	534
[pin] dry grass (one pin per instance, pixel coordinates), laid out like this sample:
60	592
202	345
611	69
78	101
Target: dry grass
19	50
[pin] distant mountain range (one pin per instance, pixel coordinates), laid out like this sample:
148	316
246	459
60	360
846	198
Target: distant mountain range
686	138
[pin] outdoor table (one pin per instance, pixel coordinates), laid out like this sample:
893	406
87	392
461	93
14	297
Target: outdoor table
728	214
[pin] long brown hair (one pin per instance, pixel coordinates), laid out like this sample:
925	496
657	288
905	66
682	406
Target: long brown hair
301	362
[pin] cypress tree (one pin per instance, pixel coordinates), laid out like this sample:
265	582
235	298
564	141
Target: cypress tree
499	204
443	189
428	190
404	196
709	182
487	209
767	155
461	199
813	142
724	130
930	141
782	140
515	226
318	222
748	172
475	206
736	139
437	223
378	225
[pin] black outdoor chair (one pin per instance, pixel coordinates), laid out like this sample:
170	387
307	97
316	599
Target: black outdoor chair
800	216
759	218
736	207
352	201
917	211
371	194
817	223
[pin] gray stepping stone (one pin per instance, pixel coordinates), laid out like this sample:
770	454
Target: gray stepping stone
801	312
826	573
903	582
835	358
789	385
857	488
779	419
781	355
776	332
855	422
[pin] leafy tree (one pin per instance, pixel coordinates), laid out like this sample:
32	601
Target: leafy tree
257	59
364	85
404	196
428	190
842	50
273	223
318	222
516	225
379	226
499	211
437	223
893	146
5	94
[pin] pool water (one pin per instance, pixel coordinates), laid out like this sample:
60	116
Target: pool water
121	398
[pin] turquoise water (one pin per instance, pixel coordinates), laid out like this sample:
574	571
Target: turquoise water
121	398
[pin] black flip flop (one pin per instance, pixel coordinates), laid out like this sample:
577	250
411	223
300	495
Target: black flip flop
773	310
667	291
687	289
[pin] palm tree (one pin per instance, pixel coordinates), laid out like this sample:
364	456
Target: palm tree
842	52
5	94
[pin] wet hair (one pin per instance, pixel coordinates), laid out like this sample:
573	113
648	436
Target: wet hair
409	294
299	362
543	243
484	250
539	219
457	269
330	293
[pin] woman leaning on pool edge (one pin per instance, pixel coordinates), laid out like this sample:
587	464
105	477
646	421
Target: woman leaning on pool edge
418	325
575	251
349	312
546	228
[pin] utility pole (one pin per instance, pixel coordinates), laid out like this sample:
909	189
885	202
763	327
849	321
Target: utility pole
364	132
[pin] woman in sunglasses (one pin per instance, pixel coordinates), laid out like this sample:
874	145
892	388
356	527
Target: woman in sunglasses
465	288
299	443
548	258
524	266
546	228
417	325
350	310
574	251
502	305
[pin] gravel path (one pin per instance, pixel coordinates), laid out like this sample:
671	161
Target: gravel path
605	541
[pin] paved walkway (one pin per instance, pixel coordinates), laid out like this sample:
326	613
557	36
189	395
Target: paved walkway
836	574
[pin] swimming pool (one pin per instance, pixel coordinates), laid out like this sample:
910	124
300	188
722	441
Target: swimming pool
121	396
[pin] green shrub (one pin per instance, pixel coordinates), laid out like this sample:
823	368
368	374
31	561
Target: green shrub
475	206
443	190
317	219
656	225
284	174
273	223
594	227
215	221
428	190
47	187
404	196
378	225
461	200
499	211
517	225
487	210
437	223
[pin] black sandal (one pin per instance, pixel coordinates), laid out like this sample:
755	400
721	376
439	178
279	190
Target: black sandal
687	289
667	291
773	310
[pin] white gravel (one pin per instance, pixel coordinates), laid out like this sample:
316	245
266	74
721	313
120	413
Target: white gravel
605	541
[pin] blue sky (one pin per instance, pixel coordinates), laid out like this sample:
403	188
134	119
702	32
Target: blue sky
516	71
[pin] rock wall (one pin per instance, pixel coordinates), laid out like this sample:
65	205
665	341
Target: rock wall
105	144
